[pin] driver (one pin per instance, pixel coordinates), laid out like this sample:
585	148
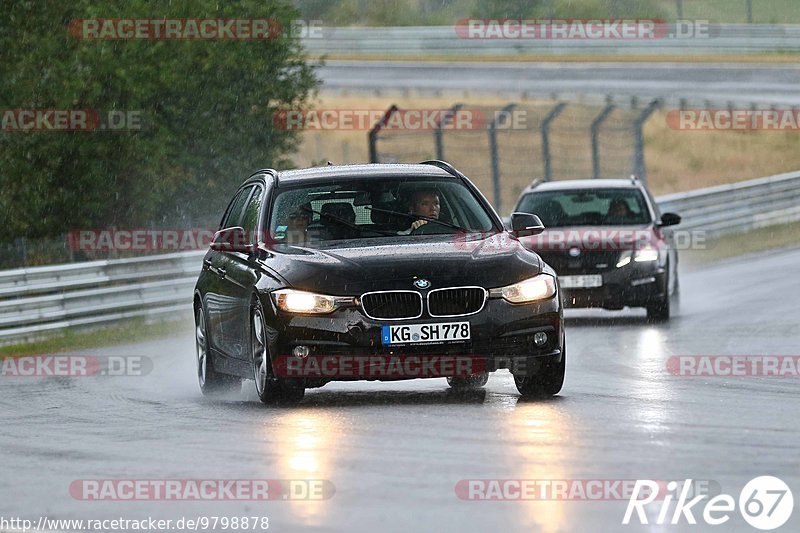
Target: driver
424	202
619	209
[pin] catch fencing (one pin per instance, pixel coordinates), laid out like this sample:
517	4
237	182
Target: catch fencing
506	148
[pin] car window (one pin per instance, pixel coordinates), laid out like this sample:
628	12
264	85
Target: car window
250	218
363	209
587	207
233	216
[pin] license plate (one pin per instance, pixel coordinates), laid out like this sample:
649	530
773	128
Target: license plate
581	282
425	333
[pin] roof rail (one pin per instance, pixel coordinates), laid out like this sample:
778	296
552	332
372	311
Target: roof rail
270	171
536	183
444	165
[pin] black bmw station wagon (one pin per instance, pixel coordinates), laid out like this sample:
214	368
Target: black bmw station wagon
379	272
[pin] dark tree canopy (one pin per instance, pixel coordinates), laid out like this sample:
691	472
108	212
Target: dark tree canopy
205	108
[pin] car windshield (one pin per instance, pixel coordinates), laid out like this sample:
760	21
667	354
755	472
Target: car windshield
366	209
587	207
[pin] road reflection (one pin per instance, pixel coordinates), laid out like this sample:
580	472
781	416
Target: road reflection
540	431
306	443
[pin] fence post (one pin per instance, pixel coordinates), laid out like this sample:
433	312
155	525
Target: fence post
545	131
499	118
437	132
373	134
595	130
638	128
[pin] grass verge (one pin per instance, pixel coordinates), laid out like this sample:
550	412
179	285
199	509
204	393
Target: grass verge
760	240
133	330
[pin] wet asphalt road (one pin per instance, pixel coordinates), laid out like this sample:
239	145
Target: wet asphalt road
741	84
395	451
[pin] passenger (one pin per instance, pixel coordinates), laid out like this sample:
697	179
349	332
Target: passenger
297	222
424	202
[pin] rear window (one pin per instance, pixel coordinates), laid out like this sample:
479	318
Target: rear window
587	207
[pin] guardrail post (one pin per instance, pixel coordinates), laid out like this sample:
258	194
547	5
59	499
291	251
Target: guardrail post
373	134
595	130
499	118
638	128
545	131
437	132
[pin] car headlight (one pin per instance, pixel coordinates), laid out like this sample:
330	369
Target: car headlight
642	255
294	301
646	254
540	287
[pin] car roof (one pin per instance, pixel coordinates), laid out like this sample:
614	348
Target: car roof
571	185
364	171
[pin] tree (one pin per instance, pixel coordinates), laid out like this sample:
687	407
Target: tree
205	107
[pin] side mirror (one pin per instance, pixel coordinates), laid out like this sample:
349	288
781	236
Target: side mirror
670	219
231	240
524	224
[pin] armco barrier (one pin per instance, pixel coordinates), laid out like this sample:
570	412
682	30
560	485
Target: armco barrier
38	301
35	302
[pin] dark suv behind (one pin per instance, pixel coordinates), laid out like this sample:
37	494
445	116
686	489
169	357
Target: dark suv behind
607	241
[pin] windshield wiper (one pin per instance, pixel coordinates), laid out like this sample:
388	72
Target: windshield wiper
418	217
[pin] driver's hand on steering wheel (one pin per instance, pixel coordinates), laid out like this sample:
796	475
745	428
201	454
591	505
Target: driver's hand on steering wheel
417	223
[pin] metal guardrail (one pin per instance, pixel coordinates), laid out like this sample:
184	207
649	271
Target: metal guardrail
40	301
738	207
417	41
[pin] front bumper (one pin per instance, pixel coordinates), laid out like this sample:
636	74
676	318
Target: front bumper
502	336
634	285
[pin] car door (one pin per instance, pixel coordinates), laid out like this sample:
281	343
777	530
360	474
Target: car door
216	298
239	278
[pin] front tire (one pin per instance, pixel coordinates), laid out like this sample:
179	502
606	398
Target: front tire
270	389
212	383
548	381
660	311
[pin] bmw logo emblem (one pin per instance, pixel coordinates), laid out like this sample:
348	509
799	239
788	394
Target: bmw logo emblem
574	252
422	283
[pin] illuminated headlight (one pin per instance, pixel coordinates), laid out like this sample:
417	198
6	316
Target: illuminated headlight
643	255
540	287
646	254
294	301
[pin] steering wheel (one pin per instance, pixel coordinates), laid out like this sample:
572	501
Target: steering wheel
431	228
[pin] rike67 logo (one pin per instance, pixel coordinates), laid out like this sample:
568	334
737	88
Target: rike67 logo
765	502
